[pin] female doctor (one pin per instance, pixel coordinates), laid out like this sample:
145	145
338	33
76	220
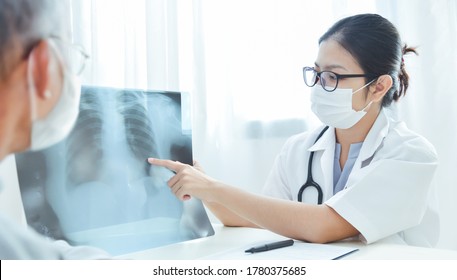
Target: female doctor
362	174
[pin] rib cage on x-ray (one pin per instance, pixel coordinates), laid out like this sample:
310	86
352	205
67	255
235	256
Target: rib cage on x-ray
85	142
138	127
96	187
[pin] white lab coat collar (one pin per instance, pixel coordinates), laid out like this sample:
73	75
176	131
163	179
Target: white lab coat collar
326	144
326	141
371	144
375	136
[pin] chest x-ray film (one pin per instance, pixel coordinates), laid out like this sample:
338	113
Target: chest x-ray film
96	187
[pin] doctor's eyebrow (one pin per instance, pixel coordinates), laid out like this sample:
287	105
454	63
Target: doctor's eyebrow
330	67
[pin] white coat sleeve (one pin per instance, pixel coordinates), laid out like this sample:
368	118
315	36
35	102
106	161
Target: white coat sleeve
276	184
391	196
19	242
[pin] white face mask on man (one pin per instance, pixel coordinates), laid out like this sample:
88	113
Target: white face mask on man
335	108
60	121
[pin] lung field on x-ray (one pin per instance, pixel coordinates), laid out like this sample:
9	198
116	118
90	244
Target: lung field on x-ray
108	178
138	128
84	145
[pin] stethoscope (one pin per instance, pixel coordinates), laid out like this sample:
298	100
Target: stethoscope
309	181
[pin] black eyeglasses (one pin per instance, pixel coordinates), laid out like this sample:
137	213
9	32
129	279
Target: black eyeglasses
328	79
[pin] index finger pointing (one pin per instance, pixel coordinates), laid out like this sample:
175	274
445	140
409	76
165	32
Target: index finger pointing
172	165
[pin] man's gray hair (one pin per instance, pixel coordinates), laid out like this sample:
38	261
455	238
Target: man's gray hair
24	22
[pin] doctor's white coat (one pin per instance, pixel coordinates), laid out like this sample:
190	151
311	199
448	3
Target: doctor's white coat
389	191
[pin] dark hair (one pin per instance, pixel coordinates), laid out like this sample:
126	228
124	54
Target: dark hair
25	22
376	45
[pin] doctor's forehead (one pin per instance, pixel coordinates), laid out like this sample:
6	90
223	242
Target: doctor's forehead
333	57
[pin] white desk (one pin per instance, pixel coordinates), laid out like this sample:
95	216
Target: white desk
227	238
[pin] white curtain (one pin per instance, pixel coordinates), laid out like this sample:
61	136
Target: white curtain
241	61
430	107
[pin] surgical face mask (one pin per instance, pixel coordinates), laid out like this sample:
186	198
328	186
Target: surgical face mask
335	108
59	122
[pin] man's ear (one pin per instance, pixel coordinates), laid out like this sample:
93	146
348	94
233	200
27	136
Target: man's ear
39	63
380	87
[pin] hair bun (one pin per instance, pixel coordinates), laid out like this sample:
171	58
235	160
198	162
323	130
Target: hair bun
403	75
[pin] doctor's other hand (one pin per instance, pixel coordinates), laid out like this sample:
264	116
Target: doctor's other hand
189	181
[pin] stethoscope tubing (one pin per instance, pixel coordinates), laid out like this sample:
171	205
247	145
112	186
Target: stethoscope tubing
309	180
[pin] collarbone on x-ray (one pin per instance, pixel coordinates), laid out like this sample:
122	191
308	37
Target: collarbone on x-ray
96	187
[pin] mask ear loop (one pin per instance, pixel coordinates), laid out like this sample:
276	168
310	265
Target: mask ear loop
55	49
31	87
369	103
364	86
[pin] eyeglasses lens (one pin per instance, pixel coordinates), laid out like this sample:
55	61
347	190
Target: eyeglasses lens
76	59
309	75
328	80
74	56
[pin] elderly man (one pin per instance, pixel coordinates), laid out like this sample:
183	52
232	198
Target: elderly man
39	97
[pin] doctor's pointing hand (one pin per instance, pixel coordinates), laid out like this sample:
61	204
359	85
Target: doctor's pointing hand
188	181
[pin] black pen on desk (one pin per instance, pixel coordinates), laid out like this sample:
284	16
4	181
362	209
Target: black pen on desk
270	246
